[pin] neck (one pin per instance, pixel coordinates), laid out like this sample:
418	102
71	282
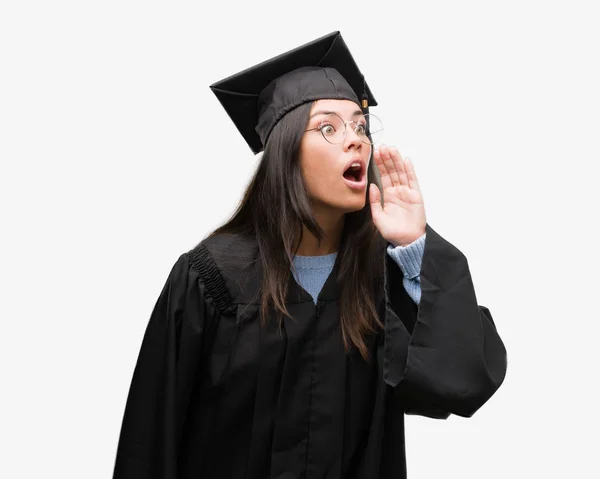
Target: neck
332	226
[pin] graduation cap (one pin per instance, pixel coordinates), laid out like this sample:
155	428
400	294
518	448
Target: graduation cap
258	97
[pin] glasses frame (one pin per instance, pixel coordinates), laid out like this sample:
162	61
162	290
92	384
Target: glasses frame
345	123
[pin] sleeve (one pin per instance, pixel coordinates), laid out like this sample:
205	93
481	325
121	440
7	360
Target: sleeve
409	259
444	356
163	377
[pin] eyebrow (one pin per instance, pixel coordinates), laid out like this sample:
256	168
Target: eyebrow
323	112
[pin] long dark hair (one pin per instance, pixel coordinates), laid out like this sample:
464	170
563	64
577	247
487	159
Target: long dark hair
273	209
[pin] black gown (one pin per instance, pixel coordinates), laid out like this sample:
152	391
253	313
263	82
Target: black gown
214	395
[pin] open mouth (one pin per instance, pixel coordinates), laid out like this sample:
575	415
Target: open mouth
354	173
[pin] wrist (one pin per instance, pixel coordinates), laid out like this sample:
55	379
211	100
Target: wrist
403	242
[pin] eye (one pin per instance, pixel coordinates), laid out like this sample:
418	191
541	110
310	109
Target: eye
327	129
361	129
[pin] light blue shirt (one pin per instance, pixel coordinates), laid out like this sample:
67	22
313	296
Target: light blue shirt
313	271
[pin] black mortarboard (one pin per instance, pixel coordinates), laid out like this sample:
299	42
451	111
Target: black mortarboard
257	98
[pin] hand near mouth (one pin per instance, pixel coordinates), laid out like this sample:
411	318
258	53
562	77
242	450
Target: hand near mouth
402	219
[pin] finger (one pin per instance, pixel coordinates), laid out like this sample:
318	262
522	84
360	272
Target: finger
386	181
375	200
399	166
412	176
390	165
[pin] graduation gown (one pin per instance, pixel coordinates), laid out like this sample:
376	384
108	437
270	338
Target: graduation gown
215	395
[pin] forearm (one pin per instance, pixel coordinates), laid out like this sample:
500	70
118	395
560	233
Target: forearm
409	259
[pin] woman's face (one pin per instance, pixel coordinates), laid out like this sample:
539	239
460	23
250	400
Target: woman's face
330	184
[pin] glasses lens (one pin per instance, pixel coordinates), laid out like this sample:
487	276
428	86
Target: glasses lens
333	128
369	128
374	128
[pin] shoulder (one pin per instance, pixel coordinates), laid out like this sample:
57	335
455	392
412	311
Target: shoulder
230	264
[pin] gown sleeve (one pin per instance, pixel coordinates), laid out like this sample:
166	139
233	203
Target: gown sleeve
163	377
444	356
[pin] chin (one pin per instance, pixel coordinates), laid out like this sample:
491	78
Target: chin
353	206
344	204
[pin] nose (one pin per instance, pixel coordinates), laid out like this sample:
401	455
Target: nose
352	140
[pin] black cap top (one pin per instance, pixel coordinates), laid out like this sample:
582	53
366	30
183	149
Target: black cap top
257	98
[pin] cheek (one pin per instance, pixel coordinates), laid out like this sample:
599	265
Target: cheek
316	166
313	178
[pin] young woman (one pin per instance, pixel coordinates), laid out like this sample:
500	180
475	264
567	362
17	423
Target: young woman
292	341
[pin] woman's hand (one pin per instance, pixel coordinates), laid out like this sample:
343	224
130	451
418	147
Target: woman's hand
402	218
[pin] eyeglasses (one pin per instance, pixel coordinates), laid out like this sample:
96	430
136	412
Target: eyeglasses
368	128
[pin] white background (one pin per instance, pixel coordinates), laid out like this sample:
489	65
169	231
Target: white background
116	158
